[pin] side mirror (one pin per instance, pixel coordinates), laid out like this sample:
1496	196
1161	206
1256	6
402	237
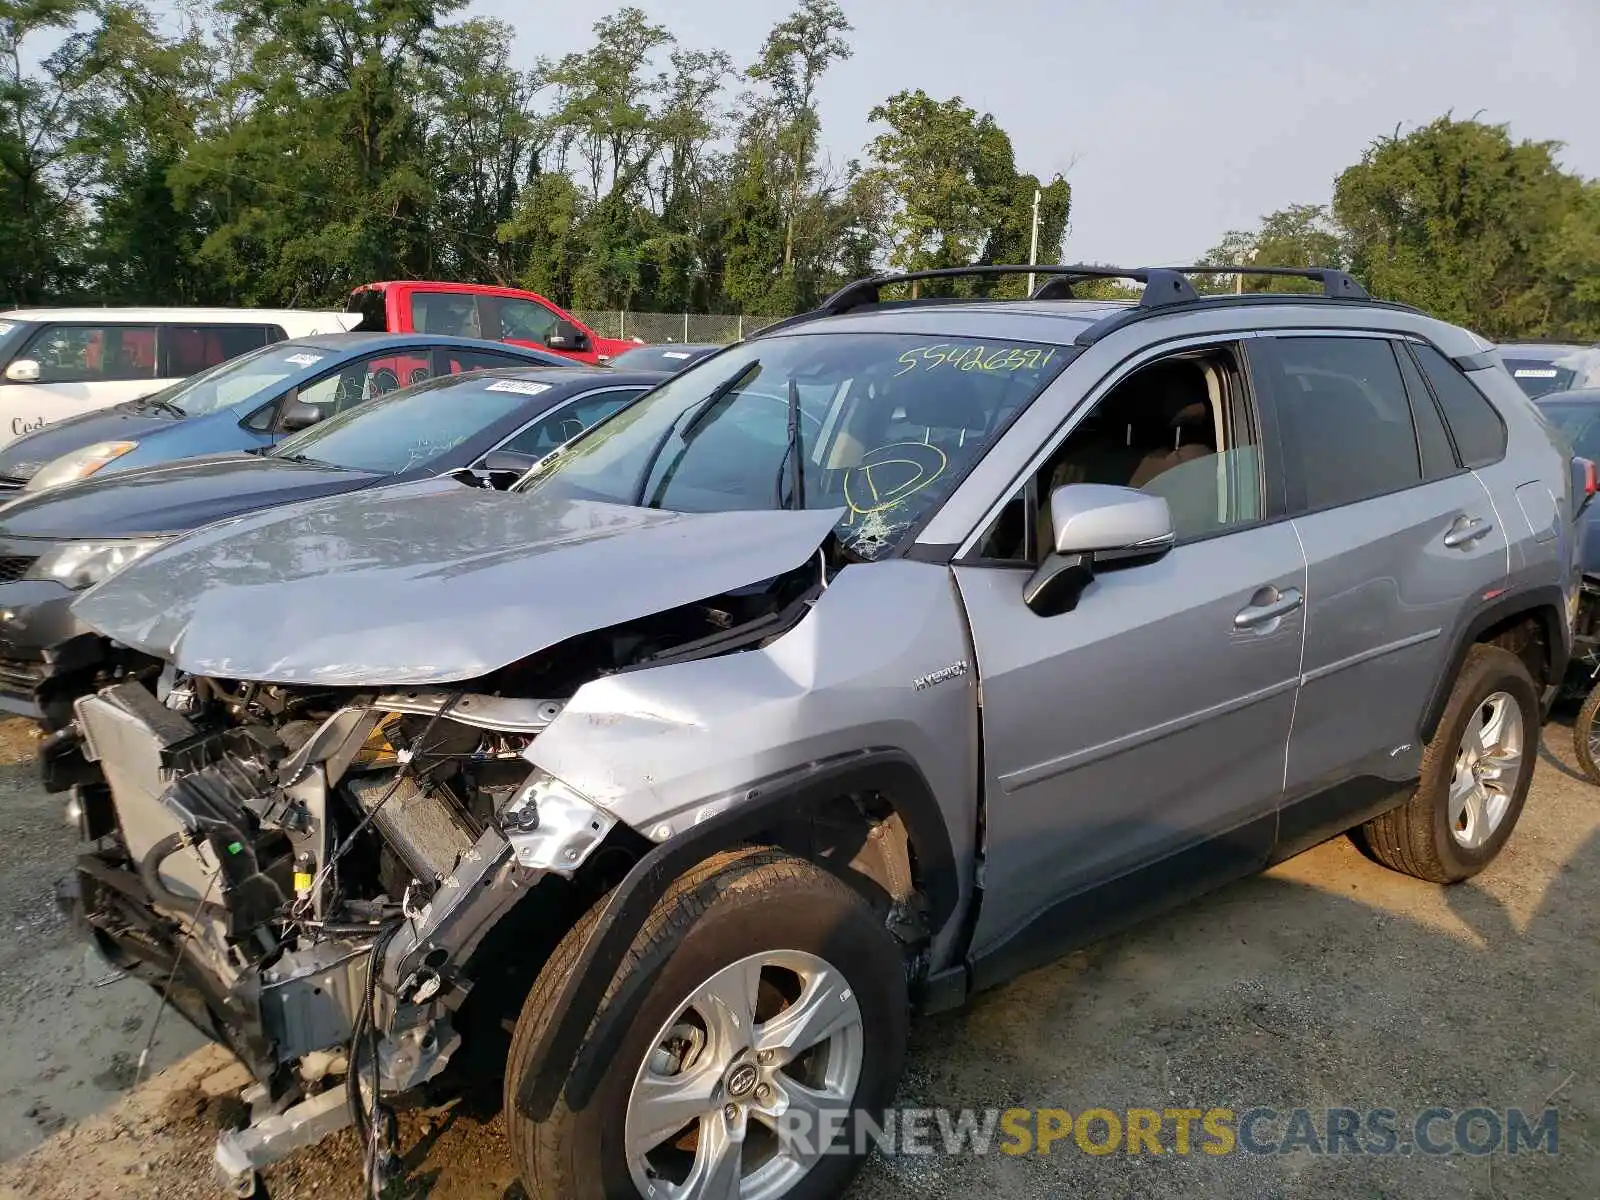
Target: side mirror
564	335
1095	523
23	370
300	415
509	461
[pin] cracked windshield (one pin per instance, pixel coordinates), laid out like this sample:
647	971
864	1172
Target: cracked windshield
882	426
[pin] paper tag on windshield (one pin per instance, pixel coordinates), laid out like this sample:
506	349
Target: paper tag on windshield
523	387
304	360
1533	373
674	354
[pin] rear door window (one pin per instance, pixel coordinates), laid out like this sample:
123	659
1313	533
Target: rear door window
362	379
189	349
1480	435
454	314
456	361
1433	440
1346	423
93	353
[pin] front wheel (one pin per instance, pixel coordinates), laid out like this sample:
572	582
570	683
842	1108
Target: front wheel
774	1015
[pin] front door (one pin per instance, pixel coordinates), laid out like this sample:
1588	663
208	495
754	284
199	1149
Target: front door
1134	747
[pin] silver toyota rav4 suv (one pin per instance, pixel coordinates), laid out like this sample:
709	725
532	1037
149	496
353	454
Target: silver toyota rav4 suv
859	667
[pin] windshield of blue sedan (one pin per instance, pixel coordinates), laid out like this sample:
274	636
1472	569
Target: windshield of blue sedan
888	424
254	375
412	427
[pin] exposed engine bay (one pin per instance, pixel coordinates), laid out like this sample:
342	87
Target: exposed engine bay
320	879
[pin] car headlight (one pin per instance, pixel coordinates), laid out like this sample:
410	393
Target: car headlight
78	464
550	826
84	564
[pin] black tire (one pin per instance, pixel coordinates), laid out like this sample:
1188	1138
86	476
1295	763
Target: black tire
1583	729
1415	838
735	904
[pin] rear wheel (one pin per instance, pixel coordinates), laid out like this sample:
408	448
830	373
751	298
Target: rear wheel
774	1006
1475	775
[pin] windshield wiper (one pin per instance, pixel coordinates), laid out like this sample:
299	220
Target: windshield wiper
793	455
166	406
697	416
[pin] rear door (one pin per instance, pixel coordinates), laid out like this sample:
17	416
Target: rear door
1399	537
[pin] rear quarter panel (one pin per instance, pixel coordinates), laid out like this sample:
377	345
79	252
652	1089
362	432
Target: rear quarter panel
1532	492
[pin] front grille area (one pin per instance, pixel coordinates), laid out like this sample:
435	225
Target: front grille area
14	567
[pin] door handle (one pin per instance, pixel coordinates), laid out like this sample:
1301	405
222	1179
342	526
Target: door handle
1467	530
1268	610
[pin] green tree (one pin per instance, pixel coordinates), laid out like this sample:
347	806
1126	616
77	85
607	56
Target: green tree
42	200
1458	219
482	135
148	94
797	53
324	181
953	193
1302	235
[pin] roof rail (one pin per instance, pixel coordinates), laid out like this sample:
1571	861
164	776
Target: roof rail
1162	285
1164	289
1337	284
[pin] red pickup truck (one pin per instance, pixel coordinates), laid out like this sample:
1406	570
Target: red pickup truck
479	311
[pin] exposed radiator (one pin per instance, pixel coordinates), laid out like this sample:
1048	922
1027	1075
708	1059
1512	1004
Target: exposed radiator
426	832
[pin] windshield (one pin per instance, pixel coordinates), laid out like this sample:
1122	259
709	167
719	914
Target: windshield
411	427
1560	369
888	425
246	378
661	358
1580	421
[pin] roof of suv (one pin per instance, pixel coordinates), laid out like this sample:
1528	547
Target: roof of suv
1052	314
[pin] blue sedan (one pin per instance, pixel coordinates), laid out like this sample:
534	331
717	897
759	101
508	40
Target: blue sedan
246	403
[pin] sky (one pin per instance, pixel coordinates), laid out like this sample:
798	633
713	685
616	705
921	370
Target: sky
1174	122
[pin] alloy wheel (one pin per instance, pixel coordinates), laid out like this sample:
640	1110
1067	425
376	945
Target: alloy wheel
1489	765
759	1052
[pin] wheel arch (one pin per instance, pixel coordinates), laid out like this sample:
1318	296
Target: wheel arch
1528	623
574	1047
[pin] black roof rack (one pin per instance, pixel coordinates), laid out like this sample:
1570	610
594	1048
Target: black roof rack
1165	288
1336	284
1162	285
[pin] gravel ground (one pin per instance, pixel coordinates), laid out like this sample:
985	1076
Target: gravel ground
1328	981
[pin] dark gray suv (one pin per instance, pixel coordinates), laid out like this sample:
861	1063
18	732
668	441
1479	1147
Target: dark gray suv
855	669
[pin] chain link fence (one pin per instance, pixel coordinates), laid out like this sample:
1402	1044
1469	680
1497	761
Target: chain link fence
673	327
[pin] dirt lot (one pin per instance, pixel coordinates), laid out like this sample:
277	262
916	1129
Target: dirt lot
1327	982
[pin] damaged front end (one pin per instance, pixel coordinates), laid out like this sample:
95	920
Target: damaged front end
292	868
345	883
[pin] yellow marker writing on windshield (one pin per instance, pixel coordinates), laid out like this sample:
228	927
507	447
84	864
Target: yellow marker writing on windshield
974	358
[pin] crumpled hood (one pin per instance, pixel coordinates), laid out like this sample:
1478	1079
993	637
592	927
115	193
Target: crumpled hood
427	583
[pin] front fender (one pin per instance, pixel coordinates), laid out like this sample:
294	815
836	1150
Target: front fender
562	1060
